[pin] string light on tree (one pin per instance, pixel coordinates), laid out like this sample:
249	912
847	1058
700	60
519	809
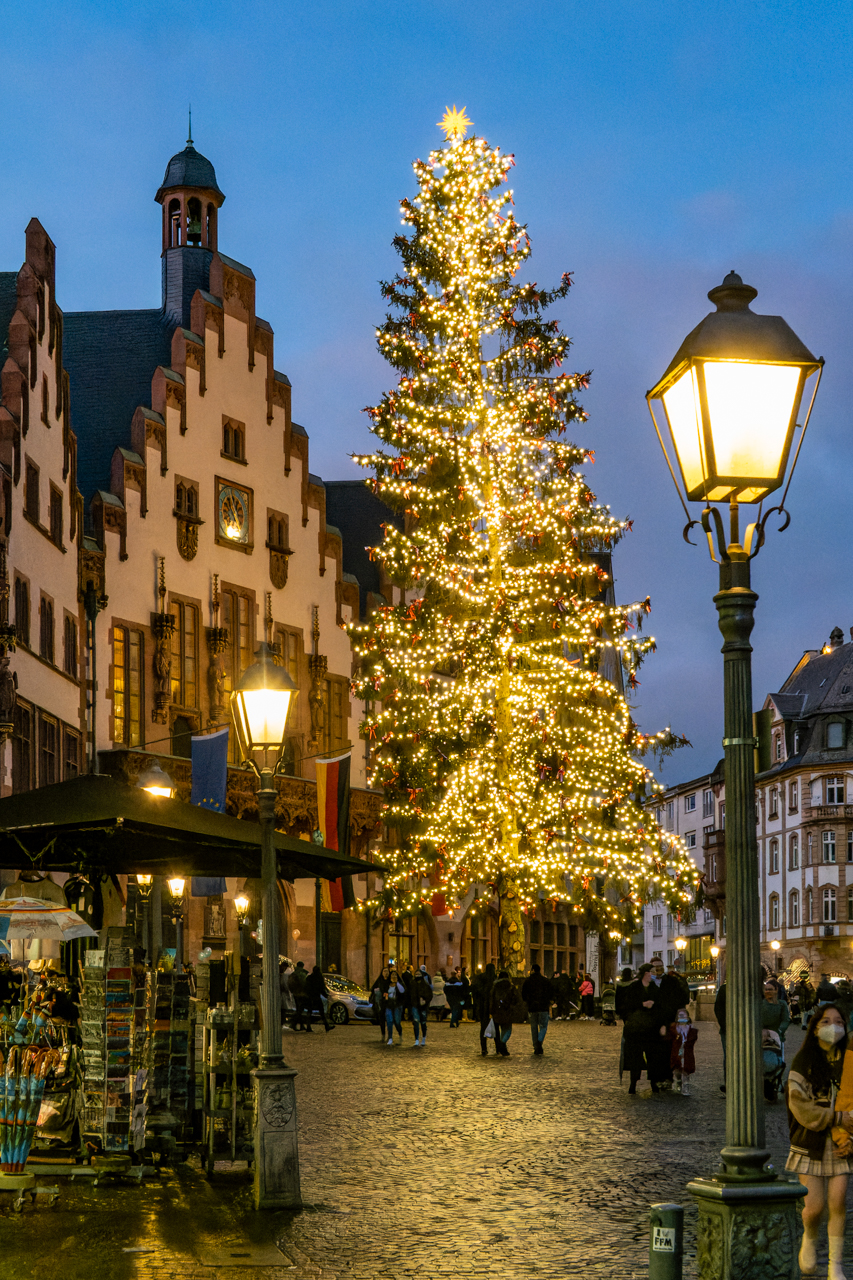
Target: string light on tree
499	732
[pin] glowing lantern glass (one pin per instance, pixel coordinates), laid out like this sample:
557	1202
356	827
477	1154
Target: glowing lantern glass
731	397
261	705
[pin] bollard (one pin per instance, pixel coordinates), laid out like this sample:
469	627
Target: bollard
666	1242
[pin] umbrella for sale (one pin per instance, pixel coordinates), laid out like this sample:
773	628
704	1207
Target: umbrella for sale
36	918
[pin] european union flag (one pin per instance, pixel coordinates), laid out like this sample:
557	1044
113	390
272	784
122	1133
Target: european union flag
210	779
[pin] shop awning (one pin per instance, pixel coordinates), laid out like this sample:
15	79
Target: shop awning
101	821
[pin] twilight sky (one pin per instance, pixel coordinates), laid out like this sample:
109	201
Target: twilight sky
658	146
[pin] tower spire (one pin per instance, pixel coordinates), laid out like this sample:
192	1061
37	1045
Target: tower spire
190	130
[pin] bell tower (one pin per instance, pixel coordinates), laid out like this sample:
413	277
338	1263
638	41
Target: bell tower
190	199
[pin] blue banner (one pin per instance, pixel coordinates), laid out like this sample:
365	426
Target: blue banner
210	779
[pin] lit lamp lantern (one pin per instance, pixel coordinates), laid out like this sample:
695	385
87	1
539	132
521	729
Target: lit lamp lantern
681	947
176	888
715	952
156	782
260	706
241	906
731	397
774	947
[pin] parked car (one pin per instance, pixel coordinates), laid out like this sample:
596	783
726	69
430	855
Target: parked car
347	1000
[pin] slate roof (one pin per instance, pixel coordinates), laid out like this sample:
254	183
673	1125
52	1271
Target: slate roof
189	168
355	509
8	304
111	357
824	682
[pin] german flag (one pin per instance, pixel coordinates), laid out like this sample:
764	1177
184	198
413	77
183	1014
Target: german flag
333	810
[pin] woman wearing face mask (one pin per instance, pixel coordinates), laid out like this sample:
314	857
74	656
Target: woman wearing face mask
822	1163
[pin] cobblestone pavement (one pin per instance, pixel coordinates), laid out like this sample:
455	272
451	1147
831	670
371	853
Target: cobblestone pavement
425	1162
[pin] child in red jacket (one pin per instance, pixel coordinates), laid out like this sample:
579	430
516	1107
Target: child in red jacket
682	1035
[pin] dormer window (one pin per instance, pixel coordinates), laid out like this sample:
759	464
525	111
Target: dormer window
835	735
777	747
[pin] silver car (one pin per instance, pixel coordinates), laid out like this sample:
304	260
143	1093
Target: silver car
347	1000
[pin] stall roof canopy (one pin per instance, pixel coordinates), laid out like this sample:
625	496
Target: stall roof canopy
102	821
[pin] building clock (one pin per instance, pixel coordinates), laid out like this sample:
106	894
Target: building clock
233	510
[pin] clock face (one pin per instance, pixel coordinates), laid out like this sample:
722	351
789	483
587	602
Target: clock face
233	504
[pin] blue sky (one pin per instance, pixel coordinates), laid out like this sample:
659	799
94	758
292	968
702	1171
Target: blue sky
657	145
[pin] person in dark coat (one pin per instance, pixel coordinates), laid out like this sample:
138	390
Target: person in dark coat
482	991
500	1008
298	980
563	985
625	980
453	994
642	1029
826	990
317	993
673	994
537	993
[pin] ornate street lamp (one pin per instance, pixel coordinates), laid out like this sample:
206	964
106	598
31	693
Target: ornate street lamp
176	889
241	906
260	706
144	886
156	782
731	404
774	947
681	947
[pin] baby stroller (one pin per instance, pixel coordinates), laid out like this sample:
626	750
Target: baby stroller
608	1006
773	1060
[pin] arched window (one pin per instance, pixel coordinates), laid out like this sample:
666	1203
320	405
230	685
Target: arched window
774	856
774	911
174	224
194	221
794	852
829	906
807	915
793	909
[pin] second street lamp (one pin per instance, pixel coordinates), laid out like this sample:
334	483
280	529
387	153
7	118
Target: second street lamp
731	399
260	706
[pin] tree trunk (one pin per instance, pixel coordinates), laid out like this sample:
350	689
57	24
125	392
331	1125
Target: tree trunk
510	925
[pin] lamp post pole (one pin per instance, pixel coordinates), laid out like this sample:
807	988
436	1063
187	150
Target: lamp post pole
745	1153
270	989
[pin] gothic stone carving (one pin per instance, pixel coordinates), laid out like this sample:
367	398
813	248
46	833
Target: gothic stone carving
163	627
278	569
316	699
187	538
217	643
277	1104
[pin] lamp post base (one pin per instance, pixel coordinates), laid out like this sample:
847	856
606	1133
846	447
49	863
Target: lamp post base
276	1150
747	1230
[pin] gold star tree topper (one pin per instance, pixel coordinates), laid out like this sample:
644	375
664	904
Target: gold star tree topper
454	123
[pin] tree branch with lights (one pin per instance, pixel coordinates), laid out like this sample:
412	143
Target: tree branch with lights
498	727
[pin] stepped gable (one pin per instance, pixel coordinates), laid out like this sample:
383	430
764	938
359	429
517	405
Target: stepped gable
111	357
359	514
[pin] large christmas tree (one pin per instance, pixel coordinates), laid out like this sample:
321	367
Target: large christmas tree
507	756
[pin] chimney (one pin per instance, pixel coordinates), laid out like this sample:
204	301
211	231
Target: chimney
836	640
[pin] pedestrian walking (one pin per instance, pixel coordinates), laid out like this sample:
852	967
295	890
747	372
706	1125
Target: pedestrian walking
826	990
682	1036
537	993
421	998
317	994
466	991
377	995
821	1146
563	995
673	994
482	988
642	1030
439	998
720	1015
500	1008
394	1000
807	998
453	993
774	1017
587	995
297	980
